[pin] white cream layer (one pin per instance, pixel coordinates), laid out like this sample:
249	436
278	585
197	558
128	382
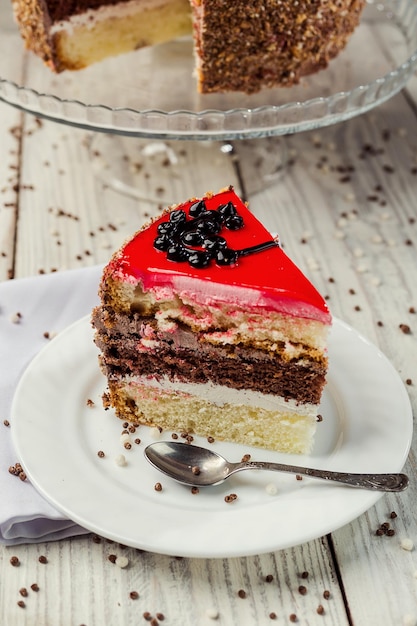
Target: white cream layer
91	17
220	395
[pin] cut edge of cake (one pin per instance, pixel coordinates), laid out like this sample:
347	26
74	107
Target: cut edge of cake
88	36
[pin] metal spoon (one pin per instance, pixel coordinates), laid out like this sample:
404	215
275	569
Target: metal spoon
193	465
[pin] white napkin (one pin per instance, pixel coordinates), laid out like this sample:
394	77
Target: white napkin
30	307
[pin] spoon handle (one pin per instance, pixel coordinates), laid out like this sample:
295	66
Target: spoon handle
376	482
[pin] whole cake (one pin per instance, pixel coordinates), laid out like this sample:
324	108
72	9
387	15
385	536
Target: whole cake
205	326
239	46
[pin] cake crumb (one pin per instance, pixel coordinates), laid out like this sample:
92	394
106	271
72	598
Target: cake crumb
106	400
407	544
90	402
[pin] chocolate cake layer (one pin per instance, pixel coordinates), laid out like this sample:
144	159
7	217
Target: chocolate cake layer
62	9
184	357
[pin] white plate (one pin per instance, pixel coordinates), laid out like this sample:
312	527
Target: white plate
366	427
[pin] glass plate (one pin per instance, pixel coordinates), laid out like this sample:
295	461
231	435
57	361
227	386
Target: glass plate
152	92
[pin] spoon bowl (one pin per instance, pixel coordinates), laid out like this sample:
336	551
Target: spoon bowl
200	467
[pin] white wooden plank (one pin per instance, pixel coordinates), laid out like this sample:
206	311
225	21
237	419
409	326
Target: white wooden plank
70	215
79	585
360	238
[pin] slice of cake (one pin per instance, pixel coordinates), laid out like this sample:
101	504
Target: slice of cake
73	35
246	46
207	327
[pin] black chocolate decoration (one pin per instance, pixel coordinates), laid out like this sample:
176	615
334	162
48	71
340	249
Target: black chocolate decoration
179	237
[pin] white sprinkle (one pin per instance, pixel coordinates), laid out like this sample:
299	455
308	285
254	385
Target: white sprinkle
122	561
312	264
212	613
339	234
342	222
353	216
376	281
402	132
361	268
271	489
409	620
350	197
120	460
407	544
385	216
155	433
125	437
358	252
376	239
15	318
391	243
52	334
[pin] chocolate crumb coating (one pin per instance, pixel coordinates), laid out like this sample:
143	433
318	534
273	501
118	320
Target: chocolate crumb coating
246	46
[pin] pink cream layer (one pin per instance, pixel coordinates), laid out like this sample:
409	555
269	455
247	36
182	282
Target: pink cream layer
268	280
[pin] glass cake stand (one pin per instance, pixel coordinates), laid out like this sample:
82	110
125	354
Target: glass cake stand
151	93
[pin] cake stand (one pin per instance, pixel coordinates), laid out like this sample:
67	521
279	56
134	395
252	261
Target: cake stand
150	94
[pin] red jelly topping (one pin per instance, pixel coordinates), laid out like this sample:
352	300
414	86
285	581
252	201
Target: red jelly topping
264	267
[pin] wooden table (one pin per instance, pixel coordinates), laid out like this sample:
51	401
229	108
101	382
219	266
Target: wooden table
346	208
